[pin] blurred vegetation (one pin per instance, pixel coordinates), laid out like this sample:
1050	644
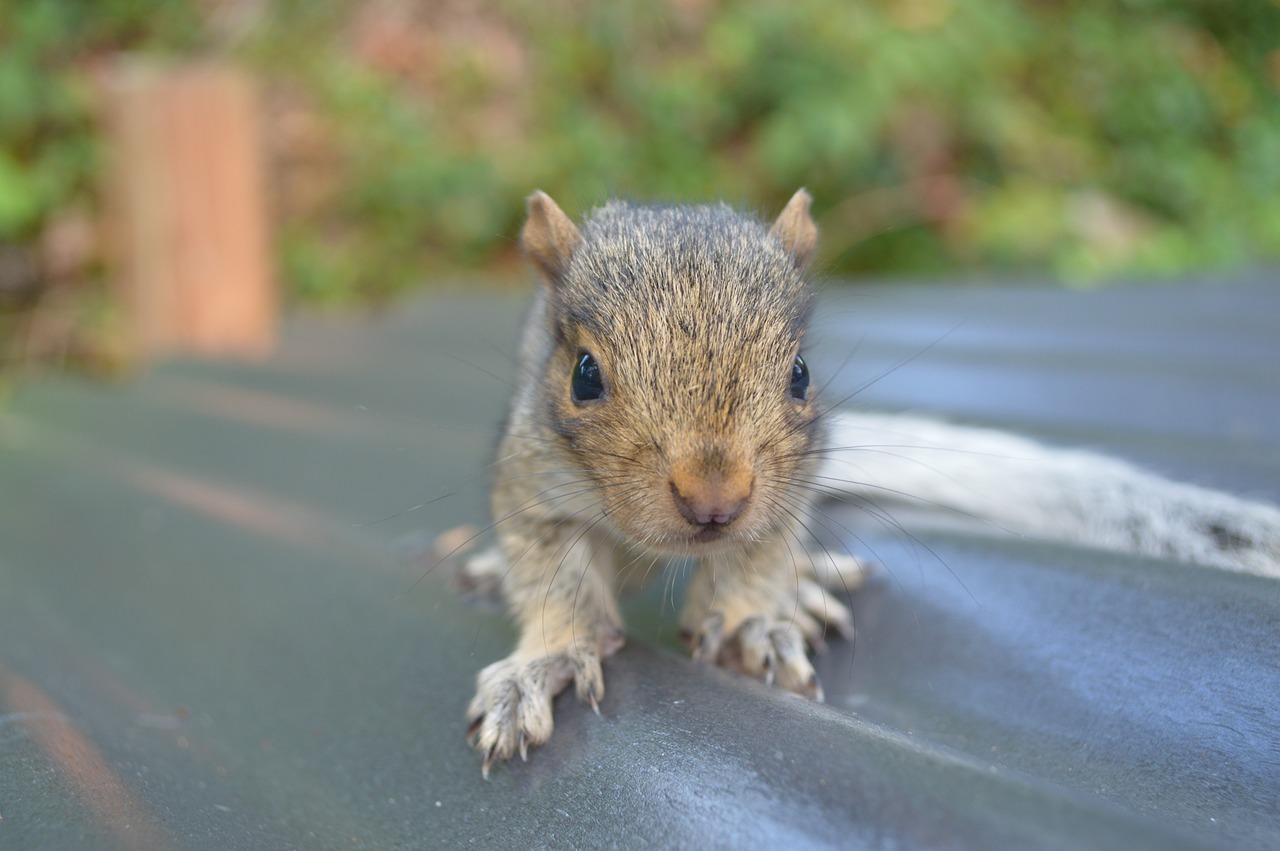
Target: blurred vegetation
1081	137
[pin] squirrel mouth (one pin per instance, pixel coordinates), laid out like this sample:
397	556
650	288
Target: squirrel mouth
710	533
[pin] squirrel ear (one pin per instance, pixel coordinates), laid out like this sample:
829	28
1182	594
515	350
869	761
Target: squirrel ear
795	228
549	237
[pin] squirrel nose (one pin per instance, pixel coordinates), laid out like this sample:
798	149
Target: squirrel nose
707	500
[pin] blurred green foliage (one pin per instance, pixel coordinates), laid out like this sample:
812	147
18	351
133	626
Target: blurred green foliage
51	54
49	155
1083	137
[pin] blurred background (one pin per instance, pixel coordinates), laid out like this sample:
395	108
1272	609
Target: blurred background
1078	139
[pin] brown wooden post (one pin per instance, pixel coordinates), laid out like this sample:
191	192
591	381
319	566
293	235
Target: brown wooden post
187	219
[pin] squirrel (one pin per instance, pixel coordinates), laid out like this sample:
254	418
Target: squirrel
664	408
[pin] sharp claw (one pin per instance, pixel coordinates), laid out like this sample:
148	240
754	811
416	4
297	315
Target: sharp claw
474	728
524	747
591	698
815	688
488	761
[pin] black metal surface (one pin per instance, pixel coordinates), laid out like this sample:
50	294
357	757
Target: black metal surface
217	629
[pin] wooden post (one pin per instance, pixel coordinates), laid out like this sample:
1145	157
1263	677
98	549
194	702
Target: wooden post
187	220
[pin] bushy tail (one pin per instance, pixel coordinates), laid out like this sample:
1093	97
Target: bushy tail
1026	488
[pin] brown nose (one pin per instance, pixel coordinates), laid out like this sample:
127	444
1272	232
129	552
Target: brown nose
715	498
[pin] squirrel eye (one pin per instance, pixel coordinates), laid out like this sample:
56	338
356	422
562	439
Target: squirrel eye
587	383
799	378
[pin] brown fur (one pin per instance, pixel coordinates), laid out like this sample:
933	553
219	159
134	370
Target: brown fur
697	447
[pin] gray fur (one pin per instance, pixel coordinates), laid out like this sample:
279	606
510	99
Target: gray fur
1069	495
695	316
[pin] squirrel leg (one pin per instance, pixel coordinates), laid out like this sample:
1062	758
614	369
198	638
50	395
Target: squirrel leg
564	605
753	610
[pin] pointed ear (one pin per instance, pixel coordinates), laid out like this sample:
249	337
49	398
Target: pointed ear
548	237
795	228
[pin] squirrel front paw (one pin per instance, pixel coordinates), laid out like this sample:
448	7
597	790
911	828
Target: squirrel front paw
771	647
511	711
759	647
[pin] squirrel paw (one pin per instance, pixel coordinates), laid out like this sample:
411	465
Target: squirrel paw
841	572
816	611
769	650
772	648
511	711
480	576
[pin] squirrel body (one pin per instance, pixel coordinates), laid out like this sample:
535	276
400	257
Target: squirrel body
664	409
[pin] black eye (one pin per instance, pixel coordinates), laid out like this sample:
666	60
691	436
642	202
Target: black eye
799	378
587	383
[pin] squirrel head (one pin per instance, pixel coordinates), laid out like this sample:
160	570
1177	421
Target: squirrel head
676	378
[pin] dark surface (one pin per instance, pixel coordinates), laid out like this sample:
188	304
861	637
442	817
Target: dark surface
215	632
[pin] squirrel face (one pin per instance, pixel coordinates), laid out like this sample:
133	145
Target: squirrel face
675	379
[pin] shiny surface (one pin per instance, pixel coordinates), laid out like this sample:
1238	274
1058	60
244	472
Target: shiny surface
219	629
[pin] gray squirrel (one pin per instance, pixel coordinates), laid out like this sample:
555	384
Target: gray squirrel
664	408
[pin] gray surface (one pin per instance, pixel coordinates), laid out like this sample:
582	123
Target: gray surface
214	632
